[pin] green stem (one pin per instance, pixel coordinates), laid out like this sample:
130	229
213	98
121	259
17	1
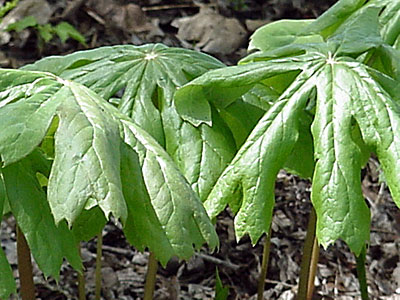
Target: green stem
81	281
98	265
150	284
361	274
264	266
25	267
309	260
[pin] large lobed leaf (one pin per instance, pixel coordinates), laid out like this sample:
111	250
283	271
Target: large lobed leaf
94	145
49	243
146	78
346	97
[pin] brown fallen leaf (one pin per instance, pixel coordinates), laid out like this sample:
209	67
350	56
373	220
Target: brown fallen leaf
129	18
211	32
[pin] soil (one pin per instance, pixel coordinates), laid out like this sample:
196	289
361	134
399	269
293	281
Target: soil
239	262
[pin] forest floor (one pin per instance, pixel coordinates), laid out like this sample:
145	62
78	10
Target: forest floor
181	24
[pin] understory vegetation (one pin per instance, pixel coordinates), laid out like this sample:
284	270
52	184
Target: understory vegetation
163	139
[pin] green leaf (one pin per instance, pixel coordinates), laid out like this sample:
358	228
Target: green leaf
7	282
6	7
144	73
180	213
86	171
146	78
88	224
243	114
222	87
378	116
241	118
3	196
25	94
46	32
386	59
49	243
281	33
142	217
351	98
358	33
330	20
261	96
256	165
303	148
221	291
85	139
29	21
347	11
65	31
389	18
336	191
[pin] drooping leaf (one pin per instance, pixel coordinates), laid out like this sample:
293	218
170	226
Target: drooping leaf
7	282
146	78
336	190
254	169
86	171
141	215
49	243
350	97
179	211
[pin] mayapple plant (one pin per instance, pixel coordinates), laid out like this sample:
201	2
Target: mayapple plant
339	77
146	134
140	82
93	156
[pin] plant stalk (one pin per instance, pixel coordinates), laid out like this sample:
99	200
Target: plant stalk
81	281
150	283
361	274
309	260
25	267
264	266
98	265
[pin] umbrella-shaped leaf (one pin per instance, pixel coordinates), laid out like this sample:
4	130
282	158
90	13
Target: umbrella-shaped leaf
89	151
146	78
355	112
251	174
